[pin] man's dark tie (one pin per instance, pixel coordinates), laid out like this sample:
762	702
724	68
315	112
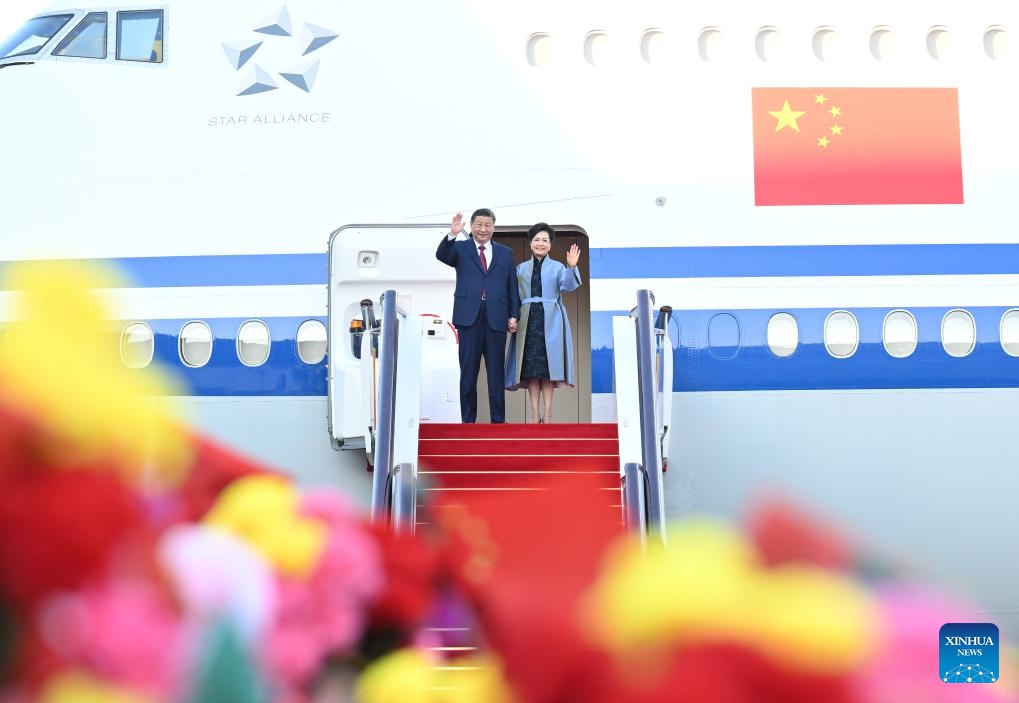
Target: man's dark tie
484	265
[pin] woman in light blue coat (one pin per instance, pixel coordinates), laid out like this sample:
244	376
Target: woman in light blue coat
540	356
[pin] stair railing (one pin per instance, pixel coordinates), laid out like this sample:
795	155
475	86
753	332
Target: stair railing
663	401
397	417
639	406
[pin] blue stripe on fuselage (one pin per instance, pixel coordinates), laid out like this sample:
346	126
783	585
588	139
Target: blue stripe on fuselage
752	366
623	262
829	260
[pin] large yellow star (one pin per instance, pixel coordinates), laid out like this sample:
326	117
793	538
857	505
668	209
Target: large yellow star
787	117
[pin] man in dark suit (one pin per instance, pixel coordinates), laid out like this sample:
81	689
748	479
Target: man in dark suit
486	304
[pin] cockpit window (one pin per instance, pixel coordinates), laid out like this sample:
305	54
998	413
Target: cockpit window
33	35
140	36
87	40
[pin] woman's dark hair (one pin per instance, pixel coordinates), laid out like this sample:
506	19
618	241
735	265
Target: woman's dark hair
541	227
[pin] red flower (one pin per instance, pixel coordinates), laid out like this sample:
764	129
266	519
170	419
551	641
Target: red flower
783	533
413	569
58	529
213	468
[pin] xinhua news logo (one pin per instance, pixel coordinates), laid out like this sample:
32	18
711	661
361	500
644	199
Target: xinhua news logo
969	653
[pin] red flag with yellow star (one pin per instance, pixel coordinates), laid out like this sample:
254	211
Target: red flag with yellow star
856	146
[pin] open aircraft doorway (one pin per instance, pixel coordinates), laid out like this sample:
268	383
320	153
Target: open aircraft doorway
569	404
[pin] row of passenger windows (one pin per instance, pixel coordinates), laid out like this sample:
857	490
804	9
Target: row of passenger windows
195	341
899	333
139	37
770	45
899	336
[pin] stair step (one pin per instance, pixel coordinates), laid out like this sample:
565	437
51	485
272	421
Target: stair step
432	496
505	479
517	446
481	463
599	430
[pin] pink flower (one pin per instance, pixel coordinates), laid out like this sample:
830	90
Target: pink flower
215	574
123	632
326	613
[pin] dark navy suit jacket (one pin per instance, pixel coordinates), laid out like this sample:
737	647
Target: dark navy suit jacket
499	284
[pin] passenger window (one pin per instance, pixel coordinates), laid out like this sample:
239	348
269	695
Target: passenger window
87	40
195	344
312	342
1009	332
140	36
783	334
253	343
841	334
137	345
958	333
899	334
724	336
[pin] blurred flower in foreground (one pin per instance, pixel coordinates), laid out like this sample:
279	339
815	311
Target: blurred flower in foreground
125	631
912	615
61	529
78	687
61	368
263	511
525	559
325	614
707	587
411	676
217	575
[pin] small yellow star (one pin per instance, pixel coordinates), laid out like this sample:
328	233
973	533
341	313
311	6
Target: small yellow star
836	129
823	142
835	111
787	117
820	99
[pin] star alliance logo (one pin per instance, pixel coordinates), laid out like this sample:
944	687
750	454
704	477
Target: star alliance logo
282	48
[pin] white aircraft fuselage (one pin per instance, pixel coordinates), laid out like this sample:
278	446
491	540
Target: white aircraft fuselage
853	346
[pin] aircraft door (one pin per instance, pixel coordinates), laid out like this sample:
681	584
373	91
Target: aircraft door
365	261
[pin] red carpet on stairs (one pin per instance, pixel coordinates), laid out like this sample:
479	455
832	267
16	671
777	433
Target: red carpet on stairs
470	459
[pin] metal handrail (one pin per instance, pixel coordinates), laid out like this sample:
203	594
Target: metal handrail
663	368
404	498
634	507
647	391
388	344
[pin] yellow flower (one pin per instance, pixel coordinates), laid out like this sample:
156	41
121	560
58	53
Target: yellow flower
412	676
61	367
263	511
79	687
707	587
473	679
405	676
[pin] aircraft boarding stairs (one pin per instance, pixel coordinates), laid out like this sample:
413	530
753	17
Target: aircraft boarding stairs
457	461
420	465
431	461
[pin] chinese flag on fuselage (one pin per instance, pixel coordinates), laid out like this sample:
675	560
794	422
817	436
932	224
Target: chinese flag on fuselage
856	146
